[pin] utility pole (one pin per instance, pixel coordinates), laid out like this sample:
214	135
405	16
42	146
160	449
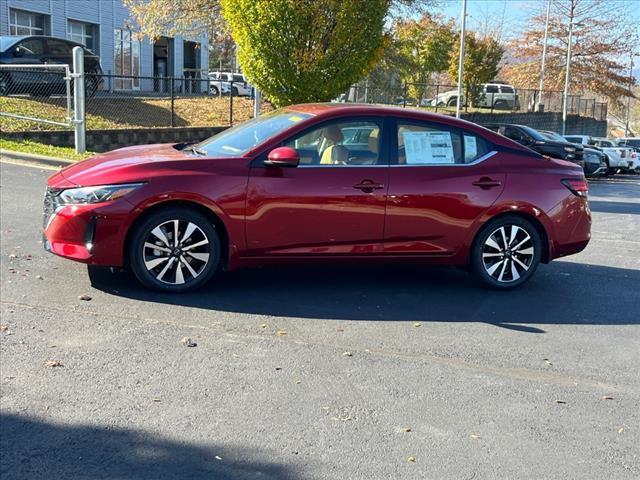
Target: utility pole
540	107
626	123
567	73
461	61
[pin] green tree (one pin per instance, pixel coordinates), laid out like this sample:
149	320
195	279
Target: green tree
481	59
419	49
306	50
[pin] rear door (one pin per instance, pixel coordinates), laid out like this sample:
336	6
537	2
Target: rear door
441	181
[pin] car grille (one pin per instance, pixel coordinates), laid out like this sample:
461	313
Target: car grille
50	206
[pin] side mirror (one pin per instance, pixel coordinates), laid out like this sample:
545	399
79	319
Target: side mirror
283	157
18	52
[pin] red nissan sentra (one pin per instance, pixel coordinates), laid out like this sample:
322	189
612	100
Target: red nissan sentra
321	182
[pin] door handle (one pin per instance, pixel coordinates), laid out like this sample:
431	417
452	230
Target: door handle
368	186
486	183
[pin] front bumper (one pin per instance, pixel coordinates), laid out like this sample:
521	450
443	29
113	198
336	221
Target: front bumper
92	234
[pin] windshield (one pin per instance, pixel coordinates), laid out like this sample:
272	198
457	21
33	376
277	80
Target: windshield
536	135
238	140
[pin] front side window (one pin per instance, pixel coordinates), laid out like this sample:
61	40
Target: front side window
339	143
238	140
83	33
126	60
492	89
27	23
431	144
59	48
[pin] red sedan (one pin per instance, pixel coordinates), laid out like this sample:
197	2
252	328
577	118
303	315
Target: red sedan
321	183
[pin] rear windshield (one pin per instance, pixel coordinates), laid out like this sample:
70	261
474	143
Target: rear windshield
238	140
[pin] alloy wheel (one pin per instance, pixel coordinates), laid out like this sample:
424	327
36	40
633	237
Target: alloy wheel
176	252
508	253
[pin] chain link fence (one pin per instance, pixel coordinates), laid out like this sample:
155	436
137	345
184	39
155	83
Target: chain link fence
443	98
125	102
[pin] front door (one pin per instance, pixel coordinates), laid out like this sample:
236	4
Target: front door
333	203
442	180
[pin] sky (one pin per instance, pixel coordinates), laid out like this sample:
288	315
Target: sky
516	13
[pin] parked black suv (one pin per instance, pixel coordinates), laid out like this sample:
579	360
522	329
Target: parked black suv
533	139
40	50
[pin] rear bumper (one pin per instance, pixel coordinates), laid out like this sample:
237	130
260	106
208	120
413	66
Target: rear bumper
572	226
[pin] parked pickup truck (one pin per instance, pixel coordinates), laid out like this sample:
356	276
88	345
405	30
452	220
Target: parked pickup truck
618	159
228	82
497	95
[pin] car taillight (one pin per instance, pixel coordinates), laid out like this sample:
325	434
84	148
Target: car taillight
577	186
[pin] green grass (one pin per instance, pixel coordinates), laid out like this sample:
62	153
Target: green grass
34	148
123	112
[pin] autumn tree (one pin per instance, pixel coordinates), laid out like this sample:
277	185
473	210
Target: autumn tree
481	59
602	38
419	48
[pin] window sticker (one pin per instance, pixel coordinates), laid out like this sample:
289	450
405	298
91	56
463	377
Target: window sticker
470	147
428	148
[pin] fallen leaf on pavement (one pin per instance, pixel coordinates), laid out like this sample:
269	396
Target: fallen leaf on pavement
347	354
4	328
621	429
263	325
474	435
39	277
156	399
187	342
417	324
546	360
85	297
406	429
607	397
53	363
339	329
411	459
562	402
281	333
218	457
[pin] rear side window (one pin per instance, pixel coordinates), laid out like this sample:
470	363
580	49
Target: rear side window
506	89
58	47
429	144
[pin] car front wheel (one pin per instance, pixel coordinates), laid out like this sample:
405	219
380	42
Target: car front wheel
176	250
506	252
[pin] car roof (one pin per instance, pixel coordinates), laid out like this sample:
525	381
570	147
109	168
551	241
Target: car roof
7	41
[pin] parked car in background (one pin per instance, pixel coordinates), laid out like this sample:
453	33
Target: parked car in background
538	142
626	153
286	187
228	82
41	50
613	157
494	95
593	161
630	142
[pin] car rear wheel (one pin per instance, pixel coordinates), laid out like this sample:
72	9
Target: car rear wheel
176	250
213	90
506	252
452	102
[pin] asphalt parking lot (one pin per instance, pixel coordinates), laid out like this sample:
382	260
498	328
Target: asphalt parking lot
324	373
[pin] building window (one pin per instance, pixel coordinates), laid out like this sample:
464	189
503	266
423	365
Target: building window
27	23
84	33
127	60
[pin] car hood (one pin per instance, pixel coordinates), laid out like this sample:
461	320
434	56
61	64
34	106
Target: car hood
137	163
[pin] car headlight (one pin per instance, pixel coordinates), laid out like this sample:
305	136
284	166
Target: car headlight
97	194
569	149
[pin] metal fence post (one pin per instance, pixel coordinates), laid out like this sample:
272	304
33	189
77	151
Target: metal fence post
171	86
404	95
256	102
437	93
78	100
231	104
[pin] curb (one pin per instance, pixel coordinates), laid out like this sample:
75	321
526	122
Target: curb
36	159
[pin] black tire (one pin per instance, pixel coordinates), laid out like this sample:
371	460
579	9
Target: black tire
183	258
501	105
493	266
213	90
